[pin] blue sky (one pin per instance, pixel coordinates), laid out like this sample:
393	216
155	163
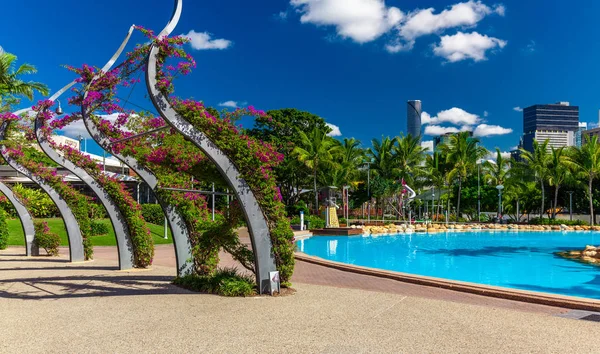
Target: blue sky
353	62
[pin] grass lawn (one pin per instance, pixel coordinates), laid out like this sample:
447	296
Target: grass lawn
16	238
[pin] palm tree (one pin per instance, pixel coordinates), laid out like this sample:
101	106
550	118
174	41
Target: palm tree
10	82
349	156
462	153
315	151
537	161
497	172
587	159
382	154
558	170
409	155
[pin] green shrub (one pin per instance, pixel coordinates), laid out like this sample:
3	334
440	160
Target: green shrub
97	211
99	228
38	203
538	221
311	221
294	210
153	213
46	239
3	230
7	206
224	282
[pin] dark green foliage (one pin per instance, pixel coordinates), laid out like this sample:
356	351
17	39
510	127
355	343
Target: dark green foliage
46	239
98	228
538	221
7	206
311	221
3	230
97	211
153	213
224	281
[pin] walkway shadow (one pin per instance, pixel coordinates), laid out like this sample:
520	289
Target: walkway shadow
89	286
23	258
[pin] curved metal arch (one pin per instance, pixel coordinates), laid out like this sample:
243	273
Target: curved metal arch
257	223
76	252
26	220
118	221
180	233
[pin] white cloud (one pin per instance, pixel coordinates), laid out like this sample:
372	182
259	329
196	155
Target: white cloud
491	157
453	115
483	130
485	113
360	20
427	144
435	130
366	20
282	16
335	130
516	147
518	109
77	128
230	104
424	22
530	48
204	41
463	46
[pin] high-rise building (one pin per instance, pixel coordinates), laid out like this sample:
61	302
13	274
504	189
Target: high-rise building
413	117
579	134
557	123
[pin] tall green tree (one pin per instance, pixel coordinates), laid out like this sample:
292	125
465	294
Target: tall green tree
587	159
537	162
559	167
315	151
496	172
349	157
11	83
281	128
409	156
382	157
462	153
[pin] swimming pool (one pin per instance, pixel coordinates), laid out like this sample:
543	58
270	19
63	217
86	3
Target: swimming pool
519	260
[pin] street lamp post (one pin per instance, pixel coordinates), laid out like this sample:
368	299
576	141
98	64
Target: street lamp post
500	188
570	205
369	190
478	193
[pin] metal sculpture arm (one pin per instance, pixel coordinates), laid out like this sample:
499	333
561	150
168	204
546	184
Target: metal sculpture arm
76	251
257	223
118	221
26	220
181	241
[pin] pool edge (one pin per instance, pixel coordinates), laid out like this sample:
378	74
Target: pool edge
466	287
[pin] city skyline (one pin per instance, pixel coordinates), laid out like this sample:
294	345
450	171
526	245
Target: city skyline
472	63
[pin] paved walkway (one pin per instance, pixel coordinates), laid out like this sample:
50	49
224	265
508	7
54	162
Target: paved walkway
50	305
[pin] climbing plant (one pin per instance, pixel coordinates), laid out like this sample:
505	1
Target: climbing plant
254	159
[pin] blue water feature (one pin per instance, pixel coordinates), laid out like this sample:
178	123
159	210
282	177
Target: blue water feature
520	260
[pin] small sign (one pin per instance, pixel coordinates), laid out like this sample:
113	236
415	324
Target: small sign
275	282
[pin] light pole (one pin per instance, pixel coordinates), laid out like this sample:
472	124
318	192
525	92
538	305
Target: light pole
500	188
570	205
478	192
369	190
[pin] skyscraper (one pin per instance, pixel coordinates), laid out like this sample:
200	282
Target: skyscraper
579	134
413	117
557	123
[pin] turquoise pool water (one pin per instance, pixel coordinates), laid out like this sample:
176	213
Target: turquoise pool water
520	260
